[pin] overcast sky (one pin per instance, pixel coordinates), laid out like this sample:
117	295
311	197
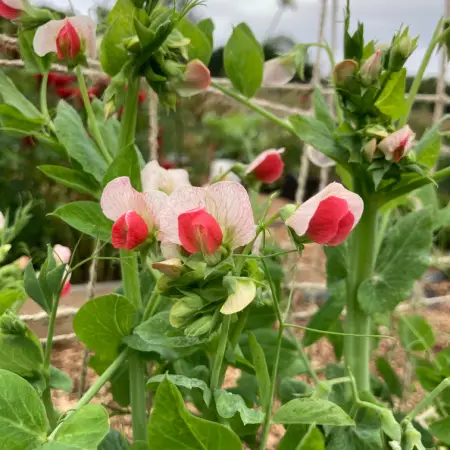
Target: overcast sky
381	18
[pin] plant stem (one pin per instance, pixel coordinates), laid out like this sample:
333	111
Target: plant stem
43	99
423	67
217	366
49	408
93	390
152	305
51	332
362	250
91	116
130	277
129	118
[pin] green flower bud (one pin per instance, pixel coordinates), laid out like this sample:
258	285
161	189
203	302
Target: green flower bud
344	71
287	211
184	309
199	327
4	249
402	47
132	44
11	324
376	131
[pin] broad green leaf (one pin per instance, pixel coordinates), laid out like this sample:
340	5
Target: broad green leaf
442	218
324	319
172	427
23	423
322	110
415	333
126	164
114	441
302	437
337	265
73	179
11	117
34	289
60	380
157	332
183	381
84	428
33	63
261	370
428	148
13	97
315	133
441	430
58	446
355	438
291	388
86	217
229	404
244	61
404	257
443	361
72	134
207	27
201	45
389	376
392	98
103	322
10	296
290	363
309	410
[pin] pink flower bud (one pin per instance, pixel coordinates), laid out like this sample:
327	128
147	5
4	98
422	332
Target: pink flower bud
22	262
62	254
66	289
268	166
68	43
329	216
278	71
370	148
2	221
197	78
199	231
129	231
10	9
397	144
371	69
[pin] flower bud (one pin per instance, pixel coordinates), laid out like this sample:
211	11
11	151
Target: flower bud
376	131
344	71
11	324
2	221
11	9
68	42
129	231
197	78
268	166
170	267
199	327
402	47
397	144
109	109
22	262
4	249
370	148
184	309
371	69
242	292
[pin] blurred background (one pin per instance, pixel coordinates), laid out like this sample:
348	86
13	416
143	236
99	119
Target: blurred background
208	127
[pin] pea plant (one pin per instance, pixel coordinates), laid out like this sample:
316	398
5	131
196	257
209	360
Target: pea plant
202	287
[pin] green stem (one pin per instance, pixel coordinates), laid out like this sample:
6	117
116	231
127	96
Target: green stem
51	332
49	408
93	390
361	264
423	67
129	118
152	305
218	360
428	399
91	116
43	99
130	278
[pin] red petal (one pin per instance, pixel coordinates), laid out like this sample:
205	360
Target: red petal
199	231
129	231
68	42
345	226
66	289
7	12
324	225
270	169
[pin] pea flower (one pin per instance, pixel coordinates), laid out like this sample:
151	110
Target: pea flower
155	177
318	158
62	255
344	71
10	9
67	38
279	71
268	166
397	144
135	214
329	216
204	219
197	78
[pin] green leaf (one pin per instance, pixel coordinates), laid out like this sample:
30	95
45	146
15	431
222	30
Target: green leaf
441	430
58	446
389	376
60	380
291	388
13	97
103	322
114	441
324	319
310	410
11	117
172	427
72	135
322	110
392	98
302	437
73	179
201	45
404	257
315	133
244	61
428	148
126	164
355	438
86	217
33	63
206	26
415	333
186	382
228	404
261	370
33	288
23	423
157	332
10	296
84	428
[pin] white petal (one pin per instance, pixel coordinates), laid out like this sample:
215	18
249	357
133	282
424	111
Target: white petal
2	221
244	295
16	4
219	167
86	28
261	157
278	71
180	201
155	177
228	202
299	221
170	251
118	197
62	254
389	144
318	158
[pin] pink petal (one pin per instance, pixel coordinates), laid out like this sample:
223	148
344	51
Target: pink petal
66	289
62	254
118	198
399	140
9	12
318	158
278	71
2	221
197	78
129	231
299	221
268	166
